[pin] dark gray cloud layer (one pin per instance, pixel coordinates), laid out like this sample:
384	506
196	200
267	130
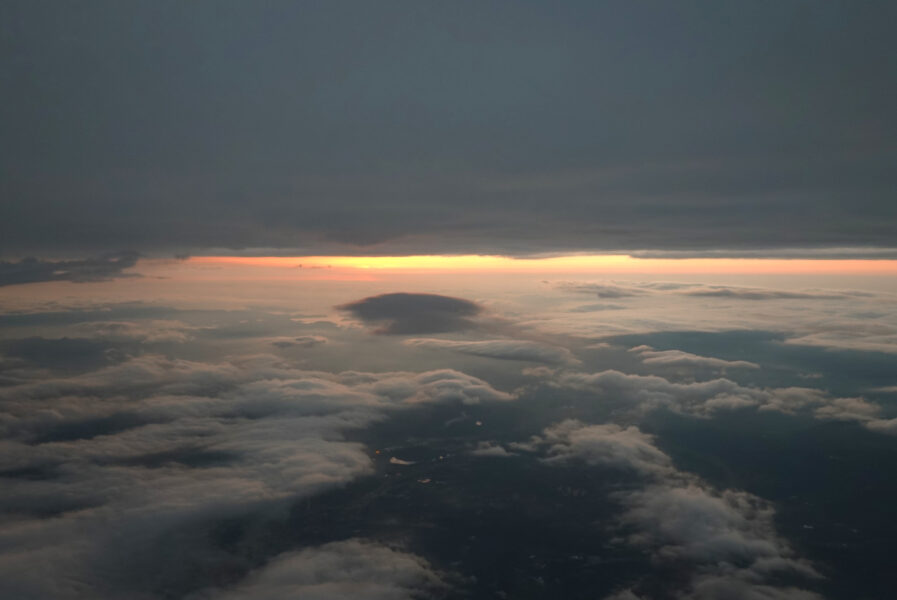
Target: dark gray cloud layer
33	270
438	127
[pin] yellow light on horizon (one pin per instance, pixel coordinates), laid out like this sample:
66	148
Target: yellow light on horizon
567	263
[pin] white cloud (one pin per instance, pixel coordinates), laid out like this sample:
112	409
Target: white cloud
727	536
139	449
650	356
849	319
607	445
490	449
347	570
644	393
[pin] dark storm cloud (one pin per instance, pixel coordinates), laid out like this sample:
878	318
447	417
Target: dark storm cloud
402	126
101	268
406	314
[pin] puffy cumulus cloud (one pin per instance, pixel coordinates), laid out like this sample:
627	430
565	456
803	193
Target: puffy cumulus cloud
443	385
683	519
338	571
406	313
642	393
607	445
650	392
728	536
490	449
888	426
650	356
101	268
848	409
502	349
99	466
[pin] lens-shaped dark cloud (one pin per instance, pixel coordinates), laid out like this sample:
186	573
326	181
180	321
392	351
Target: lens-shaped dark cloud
408	314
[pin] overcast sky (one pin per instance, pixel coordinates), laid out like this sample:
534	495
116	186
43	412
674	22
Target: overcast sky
446	127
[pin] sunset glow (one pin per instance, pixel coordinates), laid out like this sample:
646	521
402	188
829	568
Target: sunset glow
619	263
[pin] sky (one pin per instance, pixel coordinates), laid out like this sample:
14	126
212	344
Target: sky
392	128
448	300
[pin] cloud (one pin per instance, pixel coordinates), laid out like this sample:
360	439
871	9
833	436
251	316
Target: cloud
643	393
743	293
444	385
62	353
650	392
490	449
857	319
352	568
406	313
501	349
607	445
888	426
467	163
650	356
100	466
728	536
148	331
302	341
864	334
602	290
714	587
585	308
887	389
829	253
101	268
633	289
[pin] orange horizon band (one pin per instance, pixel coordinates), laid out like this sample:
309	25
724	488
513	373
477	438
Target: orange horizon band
621	263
